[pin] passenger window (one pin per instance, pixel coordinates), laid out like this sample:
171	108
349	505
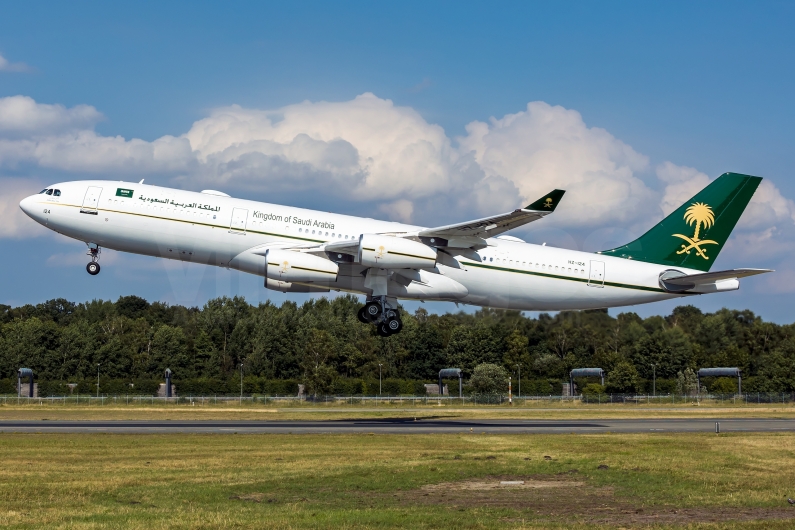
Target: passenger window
491	259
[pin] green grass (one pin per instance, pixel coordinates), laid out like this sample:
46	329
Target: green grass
38	410
381	481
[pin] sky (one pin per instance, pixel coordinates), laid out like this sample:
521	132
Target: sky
423	112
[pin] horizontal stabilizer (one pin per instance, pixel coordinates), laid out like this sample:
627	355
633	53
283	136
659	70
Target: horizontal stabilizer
676	281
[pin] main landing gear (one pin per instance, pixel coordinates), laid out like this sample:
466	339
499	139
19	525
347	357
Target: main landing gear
93	266
381	313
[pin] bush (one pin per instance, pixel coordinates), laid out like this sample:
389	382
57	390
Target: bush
8	386
664	386
144	387
723	385
759	384
537	387
622	379
208	386
53	388
593	389
112	387
280	387
489	378
391	387
686	382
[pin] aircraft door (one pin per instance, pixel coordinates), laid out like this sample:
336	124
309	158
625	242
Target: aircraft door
239	218
596	278
91	200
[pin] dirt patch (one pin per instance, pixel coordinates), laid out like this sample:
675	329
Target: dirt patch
567	498
503	484
264	497
252	497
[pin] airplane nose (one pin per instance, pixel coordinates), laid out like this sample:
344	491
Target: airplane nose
26	205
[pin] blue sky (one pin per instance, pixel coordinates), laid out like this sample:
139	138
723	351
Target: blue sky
705	88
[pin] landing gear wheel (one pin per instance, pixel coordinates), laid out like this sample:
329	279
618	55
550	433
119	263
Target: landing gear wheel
394	325
362	316
93	268
372	310
383	330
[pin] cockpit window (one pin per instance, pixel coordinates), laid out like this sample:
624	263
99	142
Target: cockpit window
56	193
49	192
42	192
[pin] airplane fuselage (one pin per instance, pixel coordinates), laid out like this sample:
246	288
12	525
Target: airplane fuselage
224	231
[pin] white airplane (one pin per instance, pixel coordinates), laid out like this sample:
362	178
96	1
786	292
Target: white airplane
300	251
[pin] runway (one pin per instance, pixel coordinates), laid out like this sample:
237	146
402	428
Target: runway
403	426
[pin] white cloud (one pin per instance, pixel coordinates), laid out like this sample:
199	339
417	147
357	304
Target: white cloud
767	208
546	147
7	66
13	221
681	183
400	210
367	148
387	157
86	151
22	117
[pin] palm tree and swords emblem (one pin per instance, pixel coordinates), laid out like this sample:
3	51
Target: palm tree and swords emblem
701	215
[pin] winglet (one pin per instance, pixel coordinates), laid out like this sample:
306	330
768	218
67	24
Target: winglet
548	202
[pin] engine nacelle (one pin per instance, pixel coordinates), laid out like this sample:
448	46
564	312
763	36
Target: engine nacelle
290	266
389	252
287	287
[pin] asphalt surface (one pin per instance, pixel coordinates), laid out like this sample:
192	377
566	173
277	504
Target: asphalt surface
403	426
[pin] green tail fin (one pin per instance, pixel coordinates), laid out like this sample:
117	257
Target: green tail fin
695	233
548	202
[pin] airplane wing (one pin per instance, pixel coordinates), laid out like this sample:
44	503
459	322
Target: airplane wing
473	233
350	246
470	234
691	281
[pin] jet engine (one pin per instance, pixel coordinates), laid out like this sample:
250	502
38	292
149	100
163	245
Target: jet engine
389	252
287	287
290	266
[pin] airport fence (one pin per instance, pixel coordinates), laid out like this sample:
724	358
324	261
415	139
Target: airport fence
407	400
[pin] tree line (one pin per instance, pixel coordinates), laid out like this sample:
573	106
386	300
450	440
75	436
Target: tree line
322	345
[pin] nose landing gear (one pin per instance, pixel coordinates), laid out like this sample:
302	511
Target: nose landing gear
380	312
93	267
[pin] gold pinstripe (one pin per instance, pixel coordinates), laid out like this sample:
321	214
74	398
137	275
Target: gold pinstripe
470	263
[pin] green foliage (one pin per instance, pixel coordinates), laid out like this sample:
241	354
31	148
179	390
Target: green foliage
593	389
8	386
686	382
322	345
488	378
723	385
622	379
